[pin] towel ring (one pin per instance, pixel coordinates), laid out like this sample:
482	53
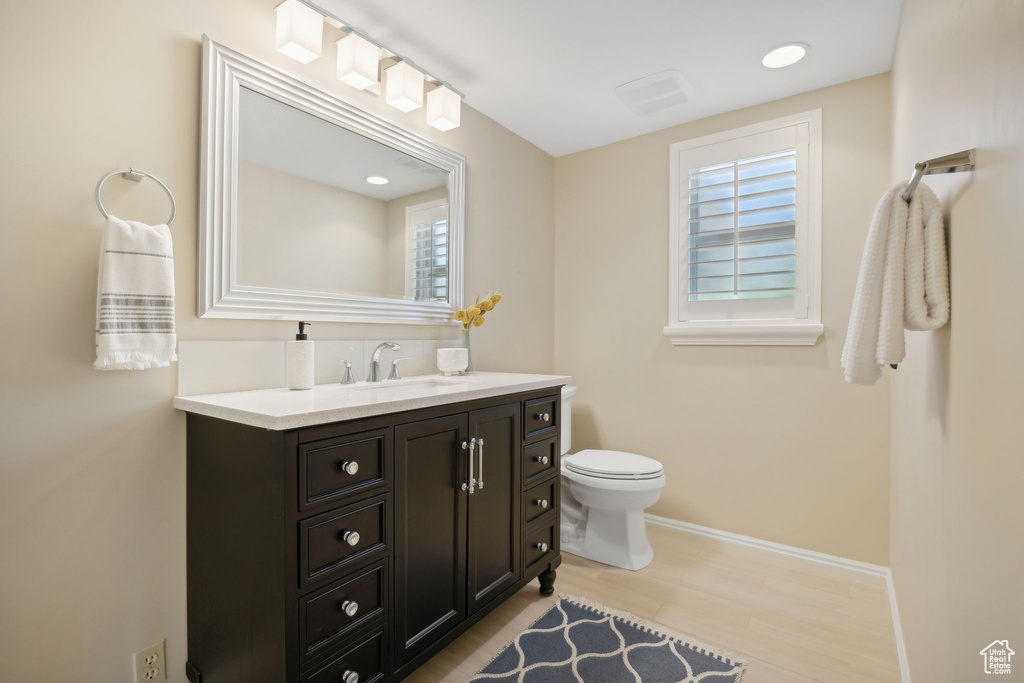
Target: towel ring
135	175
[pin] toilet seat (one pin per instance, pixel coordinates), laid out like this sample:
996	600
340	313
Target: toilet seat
602	464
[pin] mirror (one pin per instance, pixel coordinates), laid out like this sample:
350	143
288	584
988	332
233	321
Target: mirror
323	209
312	209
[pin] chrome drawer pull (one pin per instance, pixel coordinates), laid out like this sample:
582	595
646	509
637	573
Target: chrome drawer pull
543	547
350	467
480	467
541	503
351	537
542	459
350	607
544	417
350	677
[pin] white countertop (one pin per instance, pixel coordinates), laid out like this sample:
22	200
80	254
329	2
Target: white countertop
281	409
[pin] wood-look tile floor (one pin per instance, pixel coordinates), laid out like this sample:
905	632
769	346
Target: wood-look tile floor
792	619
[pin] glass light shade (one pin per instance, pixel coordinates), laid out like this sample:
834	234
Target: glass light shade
403	87
300	31
444	108
358	61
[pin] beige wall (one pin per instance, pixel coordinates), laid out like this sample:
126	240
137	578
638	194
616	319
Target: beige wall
957	433
92	499
296	233
763	441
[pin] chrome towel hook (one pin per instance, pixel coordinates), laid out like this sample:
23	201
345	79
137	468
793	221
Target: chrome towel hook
135	175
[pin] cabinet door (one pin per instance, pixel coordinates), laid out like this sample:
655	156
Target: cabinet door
430	532
494	520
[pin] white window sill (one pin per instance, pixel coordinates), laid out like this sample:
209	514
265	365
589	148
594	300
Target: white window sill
744	334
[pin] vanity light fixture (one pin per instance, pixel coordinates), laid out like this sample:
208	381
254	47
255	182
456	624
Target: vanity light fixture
403	87
784	55
300	31
377	180
444	108
358	61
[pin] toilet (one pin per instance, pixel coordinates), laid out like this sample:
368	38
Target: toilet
604	495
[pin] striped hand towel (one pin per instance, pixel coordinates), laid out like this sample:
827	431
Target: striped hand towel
135	297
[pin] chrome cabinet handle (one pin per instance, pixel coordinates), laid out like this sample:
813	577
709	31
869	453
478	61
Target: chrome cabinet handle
480	465
541	503
350	677
351	537
471	446
542	459
543	547
544	417
350	467
350	607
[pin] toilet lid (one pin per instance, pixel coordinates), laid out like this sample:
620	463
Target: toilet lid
613	465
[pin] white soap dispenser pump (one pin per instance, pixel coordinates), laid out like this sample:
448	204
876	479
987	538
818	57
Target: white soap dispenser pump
299	368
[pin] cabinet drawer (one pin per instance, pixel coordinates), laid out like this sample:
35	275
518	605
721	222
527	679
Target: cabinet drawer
366	660
332	469
334	542
540	544
541	459
325	617
540	500
541	417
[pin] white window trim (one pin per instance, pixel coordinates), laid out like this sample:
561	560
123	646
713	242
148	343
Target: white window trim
773	332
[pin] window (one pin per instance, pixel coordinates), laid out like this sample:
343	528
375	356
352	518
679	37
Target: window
745	237
426	277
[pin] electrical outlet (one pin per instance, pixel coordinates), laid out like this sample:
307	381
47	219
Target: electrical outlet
149	664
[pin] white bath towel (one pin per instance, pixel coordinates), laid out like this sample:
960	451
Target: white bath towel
135	297
903	282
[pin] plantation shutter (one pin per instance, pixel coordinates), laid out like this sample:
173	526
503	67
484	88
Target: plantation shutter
741	227
427	276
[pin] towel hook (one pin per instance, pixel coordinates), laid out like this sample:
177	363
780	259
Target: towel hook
135	175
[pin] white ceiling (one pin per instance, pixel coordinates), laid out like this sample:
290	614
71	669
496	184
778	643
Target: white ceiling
279	136
547	69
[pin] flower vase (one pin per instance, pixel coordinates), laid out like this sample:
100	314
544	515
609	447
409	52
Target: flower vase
469	353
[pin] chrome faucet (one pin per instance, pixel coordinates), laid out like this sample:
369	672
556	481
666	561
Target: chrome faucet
375	375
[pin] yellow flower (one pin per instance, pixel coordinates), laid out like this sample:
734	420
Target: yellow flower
486	305
478	321
460	315
495	298
473	311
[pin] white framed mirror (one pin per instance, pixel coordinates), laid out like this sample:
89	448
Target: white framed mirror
312	209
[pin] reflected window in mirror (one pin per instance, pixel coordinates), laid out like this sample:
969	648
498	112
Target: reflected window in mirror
427	251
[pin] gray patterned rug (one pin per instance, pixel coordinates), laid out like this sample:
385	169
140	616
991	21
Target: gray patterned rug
580	640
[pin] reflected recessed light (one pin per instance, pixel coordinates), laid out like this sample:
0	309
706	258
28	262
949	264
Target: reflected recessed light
785	55
377	180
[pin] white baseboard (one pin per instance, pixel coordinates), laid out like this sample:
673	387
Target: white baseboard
813	556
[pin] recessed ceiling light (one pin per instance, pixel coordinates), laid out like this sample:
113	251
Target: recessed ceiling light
785	55
377	180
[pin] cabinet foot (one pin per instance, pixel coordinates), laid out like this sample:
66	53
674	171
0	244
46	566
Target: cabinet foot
547	582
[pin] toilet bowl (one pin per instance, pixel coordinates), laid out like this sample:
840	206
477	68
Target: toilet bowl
604	494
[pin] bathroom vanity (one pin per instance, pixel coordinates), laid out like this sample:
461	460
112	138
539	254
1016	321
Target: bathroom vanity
349	533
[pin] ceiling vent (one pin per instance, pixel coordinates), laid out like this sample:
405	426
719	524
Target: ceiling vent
655	93
418	166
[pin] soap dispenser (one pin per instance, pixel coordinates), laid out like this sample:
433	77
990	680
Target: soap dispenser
300	360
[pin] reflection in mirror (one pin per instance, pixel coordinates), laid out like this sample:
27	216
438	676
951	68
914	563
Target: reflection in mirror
323	209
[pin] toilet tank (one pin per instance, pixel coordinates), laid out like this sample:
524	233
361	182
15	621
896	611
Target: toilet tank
568	391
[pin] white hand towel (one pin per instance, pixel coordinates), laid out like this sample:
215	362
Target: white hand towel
903	282
135	297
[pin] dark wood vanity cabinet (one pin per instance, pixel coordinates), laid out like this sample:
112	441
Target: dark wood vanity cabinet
356	550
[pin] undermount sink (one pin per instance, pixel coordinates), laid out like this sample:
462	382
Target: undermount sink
412	382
